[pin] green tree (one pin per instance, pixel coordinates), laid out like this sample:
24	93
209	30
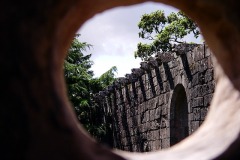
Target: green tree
100	126
108	77
82	87
163	31
78	74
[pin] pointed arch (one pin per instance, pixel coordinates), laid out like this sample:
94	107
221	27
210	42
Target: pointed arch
179	128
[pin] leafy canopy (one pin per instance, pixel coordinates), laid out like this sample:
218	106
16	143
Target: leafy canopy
82	86
163	31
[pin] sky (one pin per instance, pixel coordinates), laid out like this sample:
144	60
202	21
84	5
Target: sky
114	36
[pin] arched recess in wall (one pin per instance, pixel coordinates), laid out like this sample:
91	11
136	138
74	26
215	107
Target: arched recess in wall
178	115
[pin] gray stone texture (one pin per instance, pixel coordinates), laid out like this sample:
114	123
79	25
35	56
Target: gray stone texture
144	117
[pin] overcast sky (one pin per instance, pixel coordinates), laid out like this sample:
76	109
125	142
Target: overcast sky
114	36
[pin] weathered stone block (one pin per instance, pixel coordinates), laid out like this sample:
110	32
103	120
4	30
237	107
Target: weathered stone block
131	132
197	102
197	53
160	100
207	99
141	128
127	112
133	111
158	90
140	97
166	57
164	110
166	97
154	125
164	134
123	133
156	145
194	67
194	125
152	115
135	121
190	106
175	72
130	122
189	59
195	92
166	87
164	77
203	65
135	148
173	64
138	119
156	134
206	89
155	81
150	136
196	114
147	126
209	75
146	147
147	114
163	123
161	69
166	143
204	112
190	117
195	80
157	113
153	103
149	94
147	85
211	86
141	108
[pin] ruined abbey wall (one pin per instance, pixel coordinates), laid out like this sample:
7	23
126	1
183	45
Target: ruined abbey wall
162	102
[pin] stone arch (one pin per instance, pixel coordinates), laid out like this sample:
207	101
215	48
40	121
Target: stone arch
179	128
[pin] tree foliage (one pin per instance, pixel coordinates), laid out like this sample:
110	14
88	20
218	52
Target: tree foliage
107	78
82	86
163	31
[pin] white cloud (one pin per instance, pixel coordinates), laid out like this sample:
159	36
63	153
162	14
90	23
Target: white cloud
114	36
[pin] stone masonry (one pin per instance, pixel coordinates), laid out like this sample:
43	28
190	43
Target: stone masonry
162	102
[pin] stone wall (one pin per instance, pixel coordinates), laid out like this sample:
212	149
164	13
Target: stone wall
162	102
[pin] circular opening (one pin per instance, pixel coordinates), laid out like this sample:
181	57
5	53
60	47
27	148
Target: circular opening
180	116
134	117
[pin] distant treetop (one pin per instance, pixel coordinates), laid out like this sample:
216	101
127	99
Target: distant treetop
163	31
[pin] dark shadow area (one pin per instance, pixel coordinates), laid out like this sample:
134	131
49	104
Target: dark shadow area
159	78
151	83
186	67
116	131
134	90
115	128
179	128
125	122
136	126
133	111
169	75
108	139
127	94
142	88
